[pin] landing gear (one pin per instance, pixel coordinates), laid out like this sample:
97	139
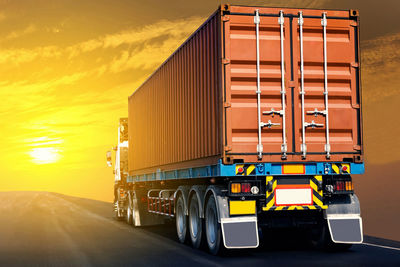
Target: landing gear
213	227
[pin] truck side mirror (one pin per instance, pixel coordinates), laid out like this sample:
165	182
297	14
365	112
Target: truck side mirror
108	155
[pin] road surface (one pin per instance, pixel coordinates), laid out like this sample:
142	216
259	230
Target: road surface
47	229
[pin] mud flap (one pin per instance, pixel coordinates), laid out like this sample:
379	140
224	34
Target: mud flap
344	221
240	232
345	229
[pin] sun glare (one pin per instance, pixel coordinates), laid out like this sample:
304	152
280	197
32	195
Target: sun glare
44	155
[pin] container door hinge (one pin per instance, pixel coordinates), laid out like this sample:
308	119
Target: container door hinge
354	64
227	148
225	61
225	18
227	105
353	23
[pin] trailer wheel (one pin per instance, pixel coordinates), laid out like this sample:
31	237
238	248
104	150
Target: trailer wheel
181	220
195	222
129	217
213	227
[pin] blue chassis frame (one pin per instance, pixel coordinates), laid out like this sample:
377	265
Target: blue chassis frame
262	169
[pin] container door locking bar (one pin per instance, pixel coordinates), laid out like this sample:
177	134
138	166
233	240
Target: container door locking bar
327	145
283	92
258	92
281	21
303	147
314	112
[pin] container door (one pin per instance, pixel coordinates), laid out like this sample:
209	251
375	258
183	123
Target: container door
255	127
326	90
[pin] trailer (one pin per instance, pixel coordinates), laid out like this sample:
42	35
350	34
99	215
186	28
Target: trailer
255	120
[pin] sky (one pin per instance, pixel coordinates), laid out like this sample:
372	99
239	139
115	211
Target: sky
67	68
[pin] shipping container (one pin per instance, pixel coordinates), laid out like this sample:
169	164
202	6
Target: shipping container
201	104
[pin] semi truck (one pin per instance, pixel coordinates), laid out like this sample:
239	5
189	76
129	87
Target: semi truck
253	122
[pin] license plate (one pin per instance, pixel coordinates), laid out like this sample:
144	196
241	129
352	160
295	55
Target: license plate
293	196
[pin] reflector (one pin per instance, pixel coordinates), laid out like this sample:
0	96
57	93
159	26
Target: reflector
235	188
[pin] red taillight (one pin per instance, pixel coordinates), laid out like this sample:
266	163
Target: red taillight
246	187
344	186
344	168
339	186
240	170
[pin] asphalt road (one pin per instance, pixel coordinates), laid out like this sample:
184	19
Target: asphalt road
46	229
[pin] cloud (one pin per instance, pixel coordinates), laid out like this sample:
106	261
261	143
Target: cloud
169	33
23	55
17	34
172	29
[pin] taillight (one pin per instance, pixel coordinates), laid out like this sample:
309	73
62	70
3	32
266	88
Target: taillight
246	188
343	186
349	186
235	188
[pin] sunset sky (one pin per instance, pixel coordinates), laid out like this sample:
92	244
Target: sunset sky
67	68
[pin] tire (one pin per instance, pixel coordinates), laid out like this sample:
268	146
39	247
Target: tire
118	215
321	239
181	220
213	227
129	216
195	222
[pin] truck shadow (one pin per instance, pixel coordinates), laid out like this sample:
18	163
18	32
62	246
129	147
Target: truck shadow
271	241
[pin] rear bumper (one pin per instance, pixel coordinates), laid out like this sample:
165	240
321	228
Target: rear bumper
309	168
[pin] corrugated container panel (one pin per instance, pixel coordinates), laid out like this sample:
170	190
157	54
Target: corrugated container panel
173	115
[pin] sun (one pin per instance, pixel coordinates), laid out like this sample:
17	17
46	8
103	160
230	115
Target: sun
44	155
